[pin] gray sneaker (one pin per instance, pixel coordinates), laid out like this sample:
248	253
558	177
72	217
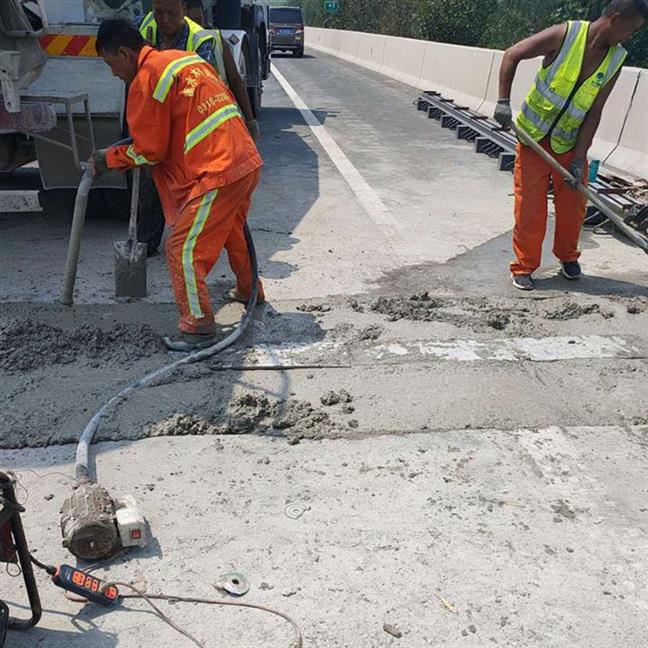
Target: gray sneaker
522	282
571	270
188	343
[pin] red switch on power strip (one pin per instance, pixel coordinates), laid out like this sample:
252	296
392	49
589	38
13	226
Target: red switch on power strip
85	585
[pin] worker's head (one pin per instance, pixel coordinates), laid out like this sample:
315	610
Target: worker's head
119	44
623	19
196	12
169	16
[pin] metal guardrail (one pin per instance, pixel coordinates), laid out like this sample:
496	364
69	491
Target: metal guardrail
490	139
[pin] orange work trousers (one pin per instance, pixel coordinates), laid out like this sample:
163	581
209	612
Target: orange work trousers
532	181
206	225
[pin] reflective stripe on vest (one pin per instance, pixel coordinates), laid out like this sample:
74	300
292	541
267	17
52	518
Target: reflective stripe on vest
165	82
219	56
558	106
148	28
209	125
196	38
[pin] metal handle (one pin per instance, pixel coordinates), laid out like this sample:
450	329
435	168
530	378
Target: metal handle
132	223
12	516
586	191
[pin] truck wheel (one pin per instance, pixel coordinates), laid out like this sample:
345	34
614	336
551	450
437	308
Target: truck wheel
255	100
300	53
265	58
150	225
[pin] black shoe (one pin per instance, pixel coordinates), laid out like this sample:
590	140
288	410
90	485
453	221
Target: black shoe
522	282
571	270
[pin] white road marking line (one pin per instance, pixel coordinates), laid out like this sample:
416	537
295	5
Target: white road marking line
369	199
515	349
352	354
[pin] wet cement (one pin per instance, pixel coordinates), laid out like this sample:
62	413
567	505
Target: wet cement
27	344
488	313
58	367
252	413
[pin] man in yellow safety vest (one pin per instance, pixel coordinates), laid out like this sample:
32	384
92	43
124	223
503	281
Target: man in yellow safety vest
582	62
168	27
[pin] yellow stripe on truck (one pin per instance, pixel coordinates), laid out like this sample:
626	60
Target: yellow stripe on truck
58	45
66	45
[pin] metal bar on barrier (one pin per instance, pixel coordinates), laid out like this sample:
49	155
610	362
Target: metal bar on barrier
467	118
608	198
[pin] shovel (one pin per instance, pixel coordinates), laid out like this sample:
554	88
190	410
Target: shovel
130	255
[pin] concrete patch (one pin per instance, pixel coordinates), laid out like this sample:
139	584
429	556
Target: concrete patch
458	539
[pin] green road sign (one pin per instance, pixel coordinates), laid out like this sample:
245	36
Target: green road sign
331	6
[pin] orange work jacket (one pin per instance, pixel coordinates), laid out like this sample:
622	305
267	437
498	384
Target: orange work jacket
185	121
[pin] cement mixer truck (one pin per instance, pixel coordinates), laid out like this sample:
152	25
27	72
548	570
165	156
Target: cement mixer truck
59	101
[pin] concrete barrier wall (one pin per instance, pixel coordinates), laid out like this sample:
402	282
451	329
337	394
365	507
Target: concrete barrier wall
632	151
470	76
324	40
371	51
610	131
403	59
439	72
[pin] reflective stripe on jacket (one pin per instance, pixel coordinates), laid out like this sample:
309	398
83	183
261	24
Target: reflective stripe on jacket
557	105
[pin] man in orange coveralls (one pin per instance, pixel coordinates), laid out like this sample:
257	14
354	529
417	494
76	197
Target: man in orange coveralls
184	121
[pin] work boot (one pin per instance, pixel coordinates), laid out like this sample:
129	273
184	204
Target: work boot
571	270
191	342
522	282
234	295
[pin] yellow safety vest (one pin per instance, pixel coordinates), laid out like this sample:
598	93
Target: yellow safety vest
557	105
218	54
197	37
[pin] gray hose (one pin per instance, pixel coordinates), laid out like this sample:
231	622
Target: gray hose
74	247
82	454
78	222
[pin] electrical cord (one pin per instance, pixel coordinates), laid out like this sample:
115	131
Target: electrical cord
48	568
162	615
149	598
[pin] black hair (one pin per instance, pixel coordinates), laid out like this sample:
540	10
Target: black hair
117	32
627	8
194	4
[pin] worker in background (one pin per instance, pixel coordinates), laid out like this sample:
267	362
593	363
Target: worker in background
169	27
196	12
184	122
582	62
230	73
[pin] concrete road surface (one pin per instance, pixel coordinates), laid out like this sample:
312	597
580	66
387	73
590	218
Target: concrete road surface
403	452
